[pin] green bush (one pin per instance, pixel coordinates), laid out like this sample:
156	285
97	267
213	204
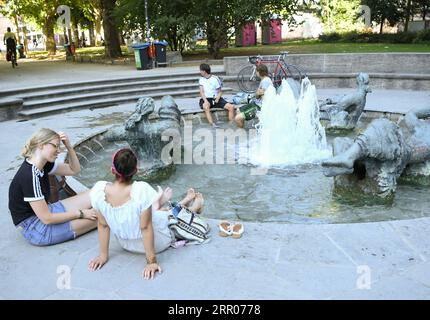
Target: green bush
423	36
330	37
368	37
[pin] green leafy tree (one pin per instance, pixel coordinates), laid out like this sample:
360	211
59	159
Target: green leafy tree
110	28
44	14
173	21
421	7
177	21
336	15
13	10
219	18
385	11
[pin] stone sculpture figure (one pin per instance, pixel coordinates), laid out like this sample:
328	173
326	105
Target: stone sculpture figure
376	158
344	113
145	134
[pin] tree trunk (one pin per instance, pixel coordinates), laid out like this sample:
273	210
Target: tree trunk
75	31
121	39
24	31
112	42
408	15
84	42
98	26
211	39
382	26
91	32
48	30
15	18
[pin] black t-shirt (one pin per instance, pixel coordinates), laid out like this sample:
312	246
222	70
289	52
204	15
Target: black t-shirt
29	184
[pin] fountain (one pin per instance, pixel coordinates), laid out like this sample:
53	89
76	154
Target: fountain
291	144
289	131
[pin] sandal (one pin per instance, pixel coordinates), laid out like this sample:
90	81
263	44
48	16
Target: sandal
237	230
225	228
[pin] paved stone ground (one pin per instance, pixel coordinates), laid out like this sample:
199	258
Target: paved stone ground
30	74
270	261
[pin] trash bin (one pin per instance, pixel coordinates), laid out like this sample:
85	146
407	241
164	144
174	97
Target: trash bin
161	53
143	61
68	49
20	48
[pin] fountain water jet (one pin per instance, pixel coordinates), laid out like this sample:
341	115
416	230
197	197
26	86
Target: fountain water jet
289	131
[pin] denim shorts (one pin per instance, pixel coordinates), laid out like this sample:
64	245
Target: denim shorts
40	234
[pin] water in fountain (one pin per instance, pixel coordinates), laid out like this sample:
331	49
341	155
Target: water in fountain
289	130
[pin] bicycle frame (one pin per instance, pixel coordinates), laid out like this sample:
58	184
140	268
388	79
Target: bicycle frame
247	76
279	64
12	56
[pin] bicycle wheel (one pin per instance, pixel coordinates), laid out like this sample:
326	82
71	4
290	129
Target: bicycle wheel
247	79
292	74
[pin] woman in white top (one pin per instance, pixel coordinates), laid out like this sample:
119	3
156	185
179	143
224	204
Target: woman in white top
133	211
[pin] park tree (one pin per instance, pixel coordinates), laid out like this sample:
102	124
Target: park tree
177	21
173	21
11	9
336	15
383	11
110	28
421	8
219	18
84	15
44	14
424	8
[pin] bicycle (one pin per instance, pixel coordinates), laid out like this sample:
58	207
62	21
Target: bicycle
247	77
12	54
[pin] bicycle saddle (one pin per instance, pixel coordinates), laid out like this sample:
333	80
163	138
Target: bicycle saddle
253	59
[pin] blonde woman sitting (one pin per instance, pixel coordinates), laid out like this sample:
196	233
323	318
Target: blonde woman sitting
40	222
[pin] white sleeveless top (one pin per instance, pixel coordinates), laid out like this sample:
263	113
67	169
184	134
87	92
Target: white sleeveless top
124	221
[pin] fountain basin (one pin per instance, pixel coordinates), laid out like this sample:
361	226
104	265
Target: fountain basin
289	194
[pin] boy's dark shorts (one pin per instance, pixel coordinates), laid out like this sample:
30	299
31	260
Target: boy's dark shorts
221	103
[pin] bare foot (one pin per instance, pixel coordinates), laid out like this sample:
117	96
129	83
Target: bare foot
191	194
197	206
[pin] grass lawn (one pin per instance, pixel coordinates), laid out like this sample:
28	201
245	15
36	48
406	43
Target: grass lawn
310	46
293	46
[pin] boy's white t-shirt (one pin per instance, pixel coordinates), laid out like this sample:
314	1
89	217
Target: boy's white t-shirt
211	85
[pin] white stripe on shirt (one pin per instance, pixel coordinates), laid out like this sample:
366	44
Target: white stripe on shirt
36	184
33	199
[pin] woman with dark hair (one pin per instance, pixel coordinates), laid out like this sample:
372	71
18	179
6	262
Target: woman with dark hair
133	212
249	111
